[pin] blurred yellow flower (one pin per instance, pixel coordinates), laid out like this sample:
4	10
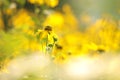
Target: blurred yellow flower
63	23
22	20
52	3
104	32
55	19
40	2
9	11
69	17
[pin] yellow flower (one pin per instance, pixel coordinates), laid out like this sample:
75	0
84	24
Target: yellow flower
69	17
55	19
52	3
46	37
52	38
40	2
22	20
104	32
9	11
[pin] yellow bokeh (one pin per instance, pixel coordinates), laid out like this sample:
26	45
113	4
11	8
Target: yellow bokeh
49	3
40	2
52	3
56	20
21	19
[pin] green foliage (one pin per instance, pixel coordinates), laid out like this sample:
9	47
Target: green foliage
8	45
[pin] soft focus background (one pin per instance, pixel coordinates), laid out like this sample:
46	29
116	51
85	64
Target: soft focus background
82	42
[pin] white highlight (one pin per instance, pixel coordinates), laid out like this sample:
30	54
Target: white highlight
77	68
102	67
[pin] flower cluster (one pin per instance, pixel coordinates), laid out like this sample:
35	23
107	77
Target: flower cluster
53	32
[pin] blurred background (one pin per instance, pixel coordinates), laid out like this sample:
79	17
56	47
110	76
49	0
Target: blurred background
59	39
